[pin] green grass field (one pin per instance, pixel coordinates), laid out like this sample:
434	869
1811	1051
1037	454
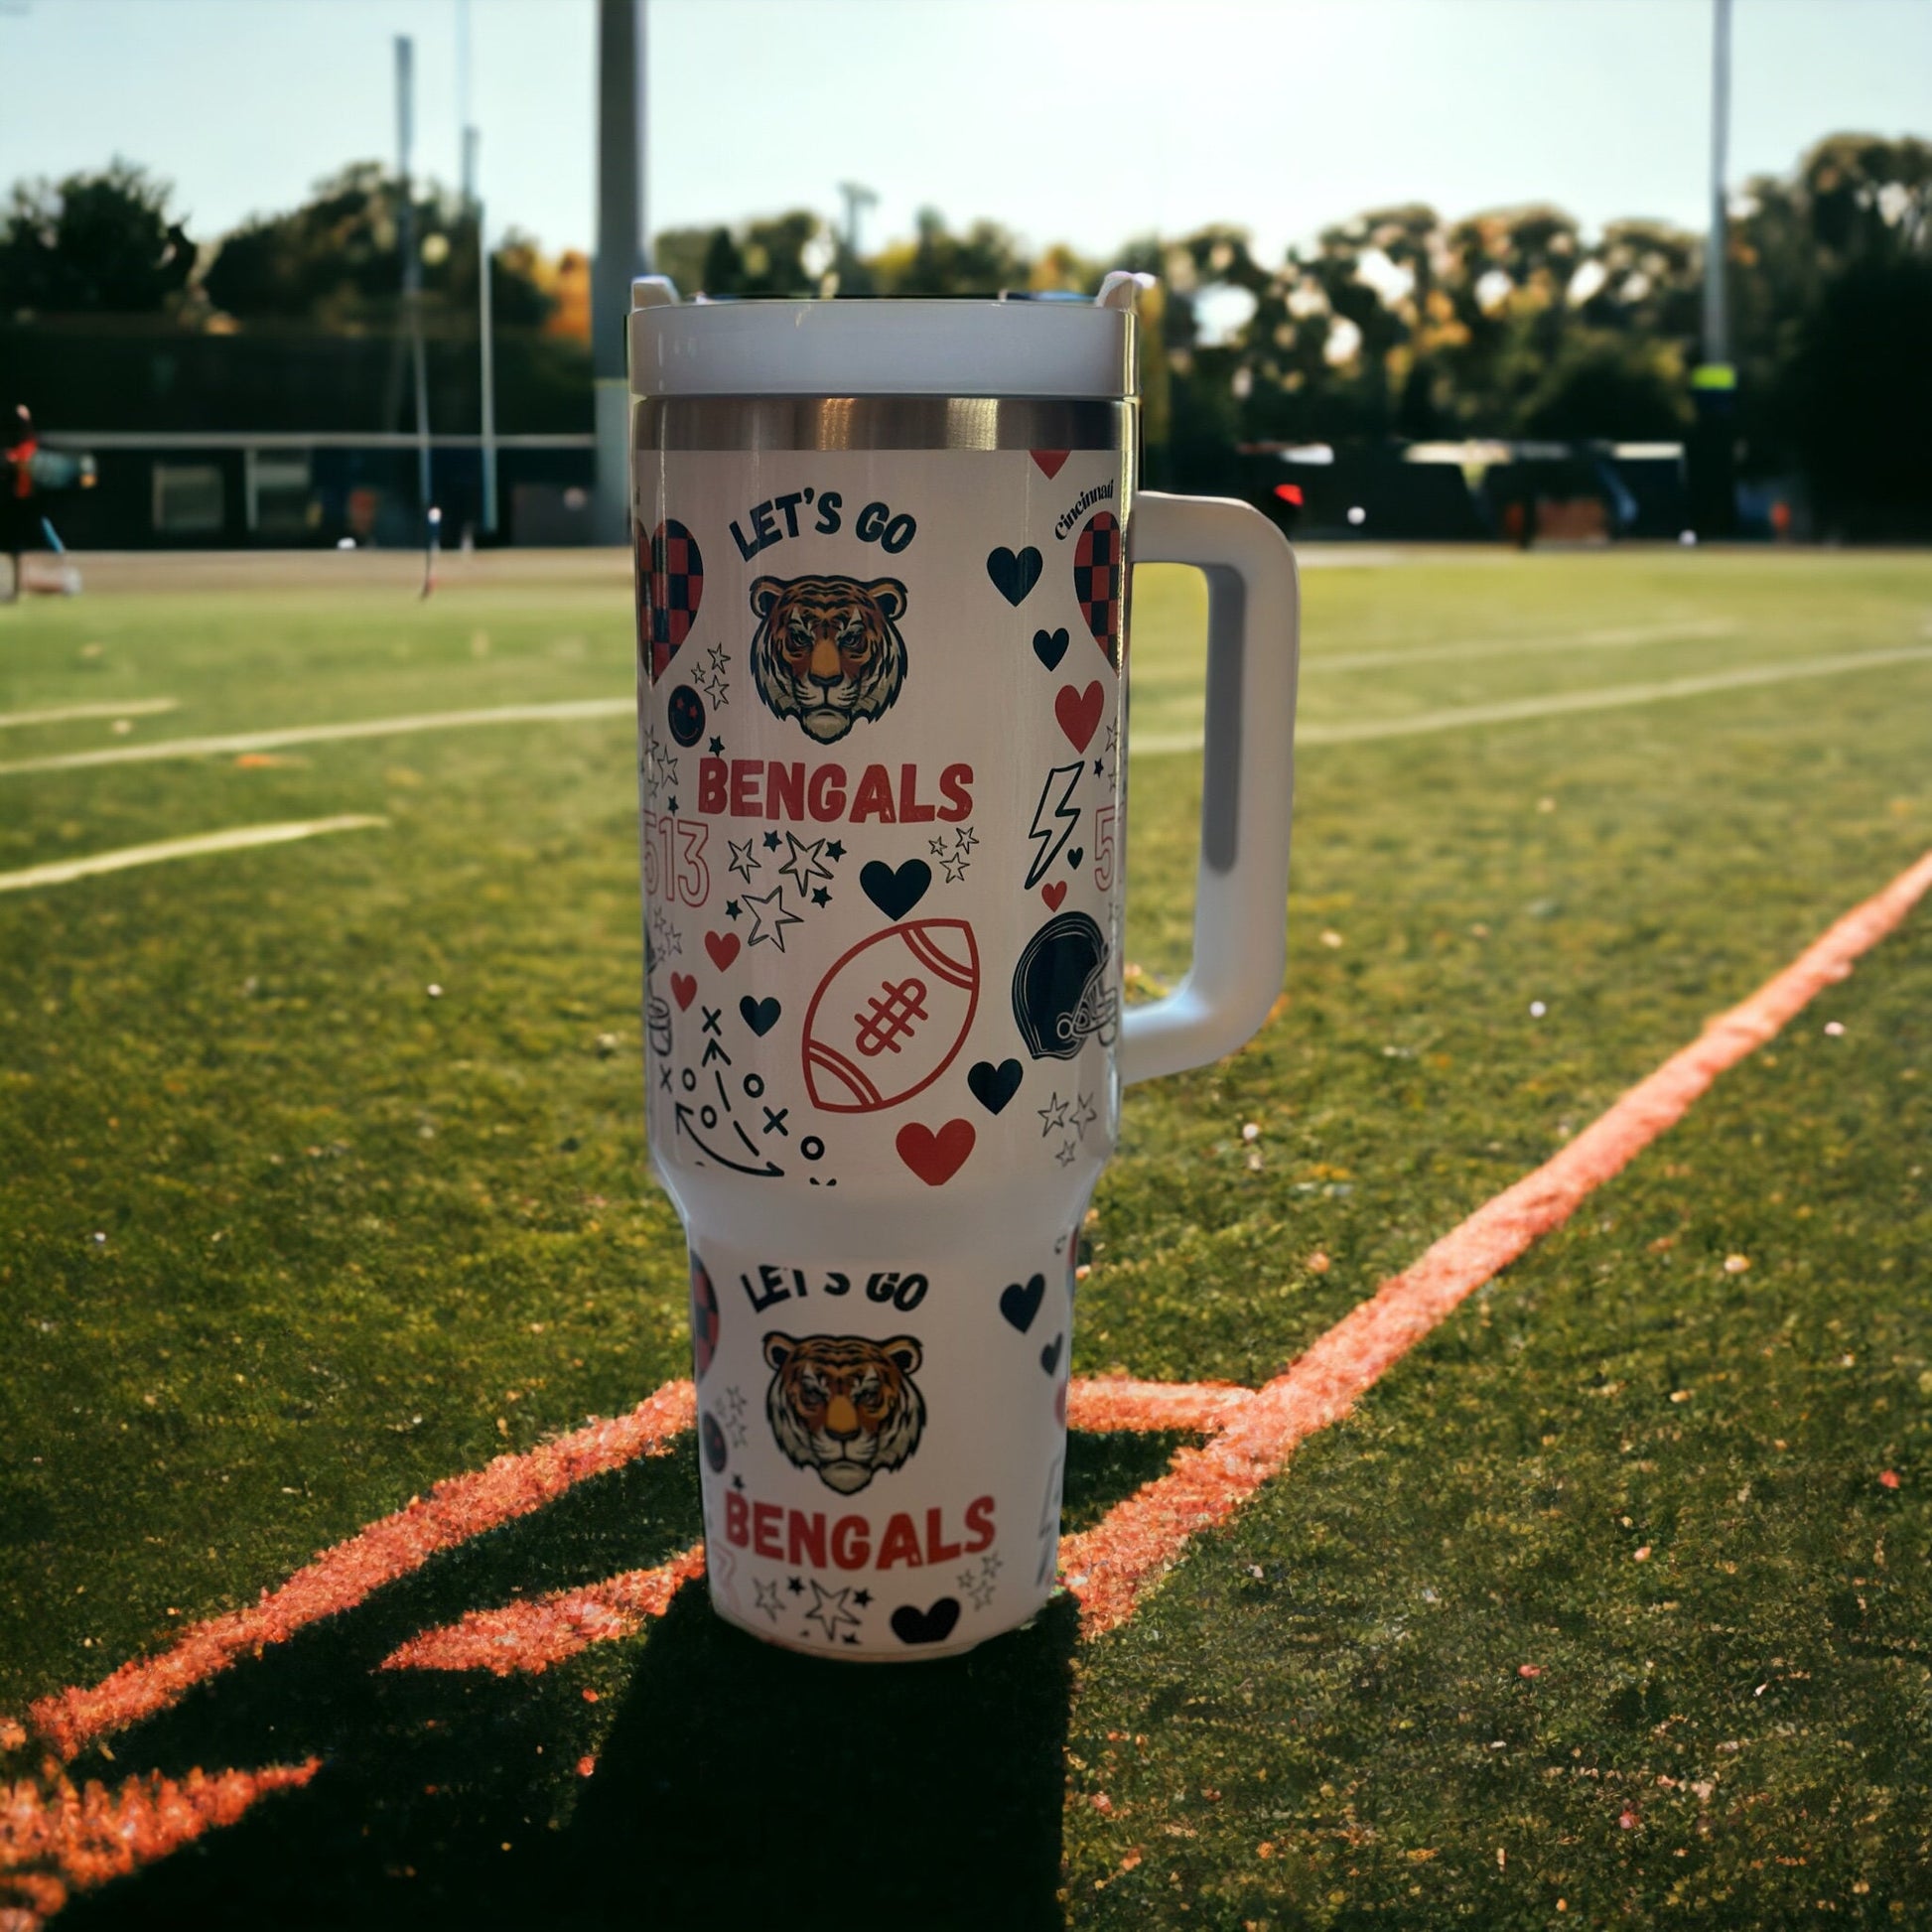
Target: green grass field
1596	1612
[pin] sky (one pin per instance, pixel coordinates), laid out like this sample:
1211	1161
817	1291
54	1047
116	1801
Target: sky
1081	120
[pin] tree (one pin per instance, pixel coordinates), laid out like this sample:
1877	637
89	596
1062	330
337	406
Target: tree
1604	384
1860	399
1852	199
101	244
982	261
334	259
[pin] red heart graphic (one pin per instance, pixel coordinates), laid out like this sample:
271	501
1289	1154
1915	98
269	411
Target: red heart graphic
935	1157
684	989
1050	461
1054	894
1079	712
722	948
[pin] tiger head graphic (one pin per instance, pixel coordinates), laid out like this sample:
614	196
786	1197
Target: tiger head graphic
845	1405
828	650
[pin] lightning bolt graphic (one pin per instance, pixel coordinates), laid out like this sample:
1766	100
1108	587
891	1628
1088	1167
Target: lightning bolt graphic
1054	831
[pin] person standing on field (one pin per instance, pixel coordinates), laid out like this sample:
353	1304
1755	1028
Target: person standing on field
17	494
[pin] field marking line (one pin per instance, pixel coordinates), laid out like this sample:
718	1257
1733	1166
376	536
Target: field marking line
74	713
457	1509
534	1634
565	711
1110	1565
1557	704
239	838
57	1838
1623	637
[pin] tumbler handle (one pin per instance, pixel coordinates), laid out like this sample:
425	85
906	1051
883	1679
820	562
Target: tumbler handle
1247	780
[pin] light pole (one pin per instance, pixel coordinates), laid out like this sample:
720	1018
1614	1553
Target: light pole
622	250
1714	384
485	330
412	258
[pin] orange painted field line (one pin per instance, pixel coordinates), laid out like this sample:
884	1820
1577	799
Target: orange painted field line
1108	1565
340	1578
545	1630
1110	1405
533	1636
1111	1565
57	1838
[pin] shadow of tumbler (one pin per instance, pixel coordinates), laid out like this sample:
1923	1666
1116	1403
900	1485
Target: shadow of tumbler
745	1785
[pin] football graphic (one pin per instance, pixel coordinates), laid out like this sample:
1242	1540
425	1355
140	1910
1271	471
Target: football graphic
888	1019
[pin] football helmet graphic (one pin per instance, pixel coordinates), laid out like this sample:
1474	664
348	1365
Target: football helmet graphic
1060	995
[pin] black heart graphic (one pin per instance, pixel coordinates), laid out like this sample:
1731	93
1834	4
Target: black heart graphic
1075	854
1013	577
1020	1305
1050	646
896	892
759	1015
993	1086
913	1625
1050	1356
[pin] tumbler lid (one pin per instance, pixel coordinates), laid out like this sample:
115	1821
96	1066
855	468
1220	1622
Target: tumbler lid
1072	349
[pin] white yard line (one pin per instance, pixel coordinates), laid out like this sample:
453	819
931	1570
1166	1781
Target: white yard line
71	713
1625	638
566	712
64	872
1555	704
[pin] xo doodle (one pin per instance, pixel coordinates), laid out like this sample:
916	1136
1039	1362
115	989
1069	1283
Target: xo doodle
712	1124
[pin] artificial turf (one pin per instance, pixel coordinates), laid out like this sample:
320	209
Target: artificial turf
284	1237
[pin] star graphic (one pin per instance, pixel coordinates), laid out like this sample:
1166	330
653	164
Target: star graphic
745	861
770	925
667	766
848	1638
821	897
1112	750
964	841
990	1564
1099	769
978	1588
731	909
1084	1116
1053	1114
829	1610
716	747
669	939
672	802
955	870
794	1586
709	676
937	847
803	864
1065	1155
863	1598
767	1594
735	1422
771	841
737	1482
836	850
